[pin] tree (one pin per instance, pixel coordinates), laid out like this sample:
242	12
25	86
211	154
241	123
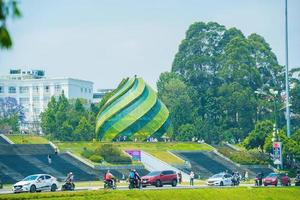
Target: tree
257	137
8	8
186	132
295	107
222	70
290	148
176	96
84	130
68	120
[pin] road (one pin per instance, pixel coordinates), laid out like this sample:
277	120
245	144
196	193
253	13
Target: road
8	191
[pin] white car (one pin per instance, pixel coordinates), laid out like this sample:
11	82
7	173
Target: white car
36	183
220	179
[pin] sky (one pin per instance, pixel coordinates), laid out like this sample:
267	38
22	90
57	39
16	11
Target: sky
106	40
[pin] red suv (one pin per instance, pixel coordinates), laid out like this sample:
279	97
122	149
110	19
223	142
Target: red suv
160	178
277	179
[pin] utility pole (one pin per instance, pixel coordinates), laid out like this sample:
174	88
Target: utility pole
288	121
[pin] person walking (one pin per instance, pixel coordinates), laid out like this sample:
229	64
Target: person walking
49	160
246	176
192	176
179	177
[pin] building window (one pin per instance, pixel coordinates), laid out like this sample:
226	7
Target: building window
24	101
57	88
1	89
46	100
35	89
47	88
23	90
12	90
36	110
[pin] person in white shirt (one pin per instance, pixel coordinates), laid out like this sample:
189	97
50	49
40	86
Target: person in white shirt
192	176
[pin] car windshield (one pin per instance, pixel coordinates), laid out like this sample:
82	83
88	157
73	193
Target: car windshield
217	176
156	173
30	178
272	175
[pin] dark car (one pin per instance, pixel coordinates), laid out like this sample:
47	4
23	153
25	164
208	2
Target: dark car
160	178
277	179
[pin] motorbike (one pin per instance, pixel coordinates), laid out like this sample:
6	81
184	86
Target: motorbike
235	180
68	186
110	184
258	180
134	183
297	180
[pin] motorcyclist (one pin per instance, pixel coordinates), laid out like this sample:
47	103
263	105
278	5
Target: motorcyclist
258	179
69	184
297	179
137	179
109	179
132	178
70	178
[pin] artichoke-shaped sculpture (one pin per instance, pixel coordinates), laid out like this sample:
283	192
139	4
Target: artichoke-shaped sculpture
132	111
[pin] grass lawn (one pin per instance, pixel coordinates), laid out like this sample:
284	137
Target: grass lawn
158	149
28	139
242	193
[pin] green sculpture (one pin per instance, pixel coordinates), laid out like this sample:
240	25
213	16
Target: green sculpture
133	111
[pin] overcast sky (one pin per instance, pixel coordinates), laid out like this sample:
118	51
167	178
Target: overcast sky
106	40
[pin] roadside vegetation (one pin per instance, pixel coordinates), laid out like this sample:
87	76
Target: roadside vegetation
28	139
244	157
180	194
158	149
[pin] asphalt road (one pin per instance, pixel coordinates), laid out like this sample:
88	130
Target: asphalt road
9	191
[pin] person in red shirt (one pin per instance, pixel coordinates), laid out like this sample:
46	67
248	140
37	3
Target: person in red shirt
109	178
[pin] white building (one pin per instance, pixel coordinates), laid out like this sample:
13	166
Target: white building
33	90
99	94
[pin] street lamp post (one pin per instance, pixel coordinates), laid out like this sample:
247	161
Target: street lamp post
288	122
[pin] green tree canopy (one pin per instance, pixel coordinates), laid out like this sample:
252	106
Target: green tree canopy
8	9
222	70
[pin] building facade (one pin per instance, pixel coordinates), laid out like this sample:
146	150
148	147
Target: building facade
32	90
99	94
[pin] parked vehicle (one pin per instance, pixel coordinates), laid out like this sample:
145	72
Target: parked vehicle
36	183
277	179
160	178
297	180
220	179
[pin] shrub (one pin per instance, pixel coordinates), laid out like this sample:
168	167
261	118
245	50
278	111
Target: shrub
245	157
96	158
112	154
87	153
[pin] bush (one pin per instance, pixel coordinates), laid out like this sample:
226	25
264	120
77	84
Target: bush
112	154
96	158
245	157
87	153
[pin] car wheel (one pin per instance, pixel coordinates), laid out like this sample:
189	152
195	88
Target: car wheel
53	188
221	183
174	183
158	183
32	189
